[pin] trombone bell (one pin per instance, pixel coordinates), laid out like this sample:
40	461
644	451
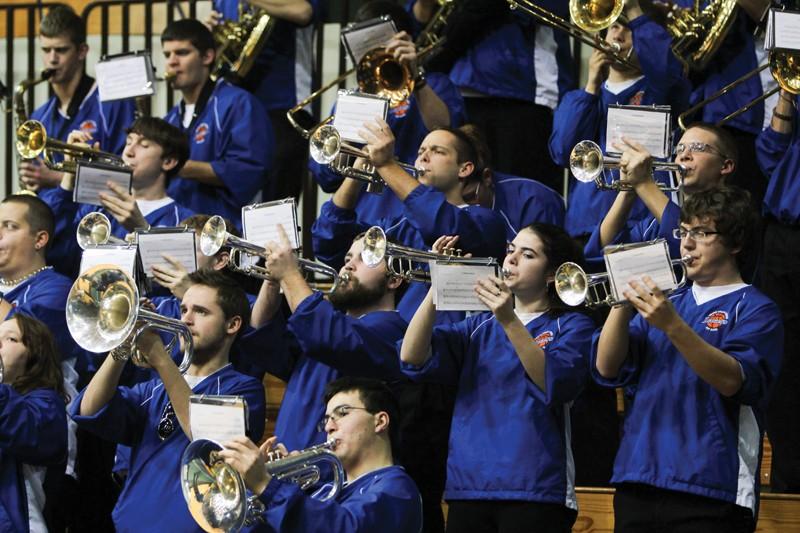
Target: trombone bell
594	15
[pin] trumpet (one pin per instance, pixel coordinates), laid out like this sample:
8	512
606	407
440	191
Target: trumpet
587	163
215	236
400	259
215	491
32	141
94	230
103	315
575	287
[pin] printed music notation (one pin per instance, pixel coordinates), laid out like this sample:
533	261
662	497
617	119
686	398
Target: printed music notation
178	244
454	285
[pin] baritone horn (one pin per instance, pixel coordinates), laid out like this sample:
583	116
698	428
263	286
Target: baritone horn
216	494
215	236
103	314
94	230
587	163
32	141
401	259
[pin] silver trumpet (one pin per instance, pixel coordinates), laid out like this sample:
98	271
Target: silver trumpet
215	491
401	259
103	314
215	236
94	230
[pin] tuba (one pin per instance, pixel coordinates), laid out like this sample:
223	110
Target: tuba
103	314
215	491
240	42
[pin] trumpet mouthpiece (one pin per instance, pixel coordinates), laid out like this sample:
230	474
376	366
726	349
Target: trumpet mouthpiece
687	259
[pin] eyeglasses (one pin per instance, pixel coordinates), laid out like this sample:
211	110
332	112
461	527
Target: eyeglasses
697	147
336	414
694	234
166	426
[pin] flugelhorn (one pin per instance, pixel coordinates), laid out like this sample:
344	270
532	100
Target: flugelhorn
103	314
215	491
32	141
215	236
400	259
587	163
94	230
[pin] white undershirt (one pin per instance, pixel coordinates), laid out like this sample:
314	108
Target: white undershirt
148	206
619	86
706	294
188	112
193	381
526	318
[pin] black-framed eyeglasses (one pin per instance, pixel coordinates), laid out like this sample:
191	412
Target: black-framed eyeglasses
168	423
337	413
697	146
694	234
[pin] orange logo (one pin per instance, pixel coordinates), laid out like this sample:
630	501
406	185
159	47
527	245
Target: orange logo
636	99
543	339
400	110
715	320
200	133
88	126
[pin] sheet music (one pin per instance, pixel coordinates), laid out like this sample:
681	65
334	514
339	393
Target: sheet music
647	125
123	257
178	244
786	30
353	110
124	77
361	38
260	222
454	285
91	179
217	418
632	264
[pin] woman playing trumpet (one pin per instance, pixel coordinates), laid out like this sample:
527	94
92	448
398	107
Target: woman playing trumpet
528	359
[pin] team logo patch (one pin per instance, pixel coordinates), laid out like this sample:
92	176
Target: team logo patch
401	110
88	126
715	320
636	99
543	339
200	133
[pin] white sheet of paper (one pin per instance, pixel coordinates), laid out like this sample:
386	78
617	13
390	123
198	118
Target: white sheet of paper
179	245
361	40
652	260
220	421
123	257
261	222
353	110
646	125
454	286
91	180
124	77
786	27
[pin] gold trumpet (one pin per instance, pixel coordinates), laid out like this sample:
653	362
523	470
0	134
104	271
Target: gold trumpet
215	236
32	141
587	163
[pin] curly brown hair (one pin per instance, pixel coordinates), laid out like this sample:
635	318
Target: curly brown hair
43	367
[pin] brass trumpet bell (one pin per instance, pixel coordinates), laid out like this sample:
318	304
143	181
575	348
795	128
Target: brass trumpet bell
379	73
594	15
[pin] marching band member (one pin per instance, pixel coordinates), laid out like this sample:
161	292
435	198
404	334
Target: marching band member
361	417
155	151
516	370
700	365
582	113
435	102
76	103
33	435
230	138
710	156
153	417
778	153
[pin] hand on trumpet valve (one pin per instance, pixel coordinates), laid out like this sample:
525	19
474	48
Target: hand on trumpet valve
652	303
403	50
494	292
379	141
636	163
282	260
446	245
214	18
249	460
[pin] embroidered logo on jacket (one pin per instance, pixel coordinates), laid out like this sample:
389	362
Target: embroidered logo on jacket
88	126
715	320
200	133
400	110
637	98
543	339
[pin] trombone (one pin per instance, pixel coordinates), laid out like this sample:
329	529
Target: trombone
400	259
32	141
215	492
103	315
94	230
215	236
784	65
587	163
